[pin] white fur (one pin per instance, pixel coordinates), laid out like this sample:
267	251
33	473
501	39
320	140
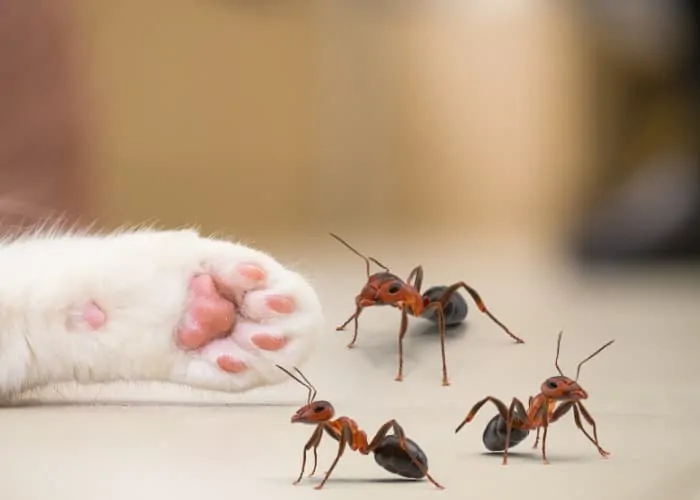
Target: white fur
140	279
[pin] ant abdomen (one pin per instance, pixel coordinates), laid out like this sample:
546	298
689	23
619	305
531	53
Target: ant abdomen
455	310
494	437
393	458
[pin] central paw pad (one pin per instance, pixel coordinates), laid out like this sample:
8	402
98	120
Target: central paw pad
209	315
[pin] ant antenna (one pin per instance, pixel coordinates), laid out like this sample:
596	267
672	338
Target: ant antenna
312	393
578	369
366	259
305	383
556	359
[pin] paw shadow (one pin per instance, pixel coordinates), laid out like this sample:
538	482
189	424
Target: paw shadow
121	403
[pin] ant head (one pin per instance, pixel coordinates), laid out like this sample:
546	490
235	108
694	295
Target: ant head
562	387
387	288
313	412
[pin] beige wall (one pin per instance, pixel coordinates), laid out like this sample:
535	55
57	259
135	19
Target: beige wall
336	113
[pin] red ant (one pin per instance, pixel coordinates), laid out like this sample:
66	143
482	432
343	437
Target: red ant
558	395
395	453
387	289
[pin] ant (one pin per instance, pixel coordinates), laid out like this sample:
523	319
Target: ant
559	394
387	289
395	453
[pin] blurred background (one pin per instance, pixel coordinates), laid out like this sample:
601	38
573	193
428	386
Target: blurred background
568	124
513	145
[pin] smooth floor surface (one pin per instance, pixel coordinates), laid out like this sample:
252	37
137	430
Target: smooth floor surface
148	441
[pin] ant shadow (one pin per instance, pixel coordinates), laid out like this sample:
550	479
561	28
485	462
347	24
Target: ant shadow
422	333
534	456
428	329
314	481
375	480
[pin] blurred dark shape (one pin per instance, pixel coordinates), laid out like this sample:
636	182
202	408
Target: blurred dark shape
652	211
43	143
655	215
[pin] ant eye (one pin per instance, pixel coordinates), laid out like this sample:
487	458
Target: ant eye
394	288
318	409
552	385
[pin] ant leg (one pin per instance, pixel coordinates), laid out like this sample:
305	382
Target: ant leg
545	426
590	420
555	415
509	427
441	326
537	439
315	448
354	335
560	411
417	273
502	410
516	407
445	298
303	463
313	471
537	436
345	437
401	435
313	442
402	334
357	312
354	317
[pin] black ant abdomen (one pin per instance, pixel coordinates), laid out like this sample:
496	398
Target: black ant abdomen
494	437
455	311
393	458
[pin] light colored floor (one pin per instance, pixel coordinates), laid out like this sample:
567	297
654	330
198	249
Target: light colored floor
644	396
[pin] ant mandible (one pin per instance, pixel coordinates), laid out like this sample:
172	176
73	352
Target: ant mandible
558	395
387	289
395	453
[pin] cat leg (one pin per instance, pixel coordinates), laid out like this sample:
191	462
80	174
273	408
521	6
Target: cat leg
148	305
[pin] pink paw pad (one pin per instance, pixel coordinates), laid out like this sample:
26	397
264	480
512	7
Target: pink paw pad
209	316
230	364
268	342
93	316
281	304
251	272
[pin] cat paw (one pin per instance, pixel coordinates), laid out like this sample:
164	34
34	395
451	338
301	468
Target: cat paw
244	313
